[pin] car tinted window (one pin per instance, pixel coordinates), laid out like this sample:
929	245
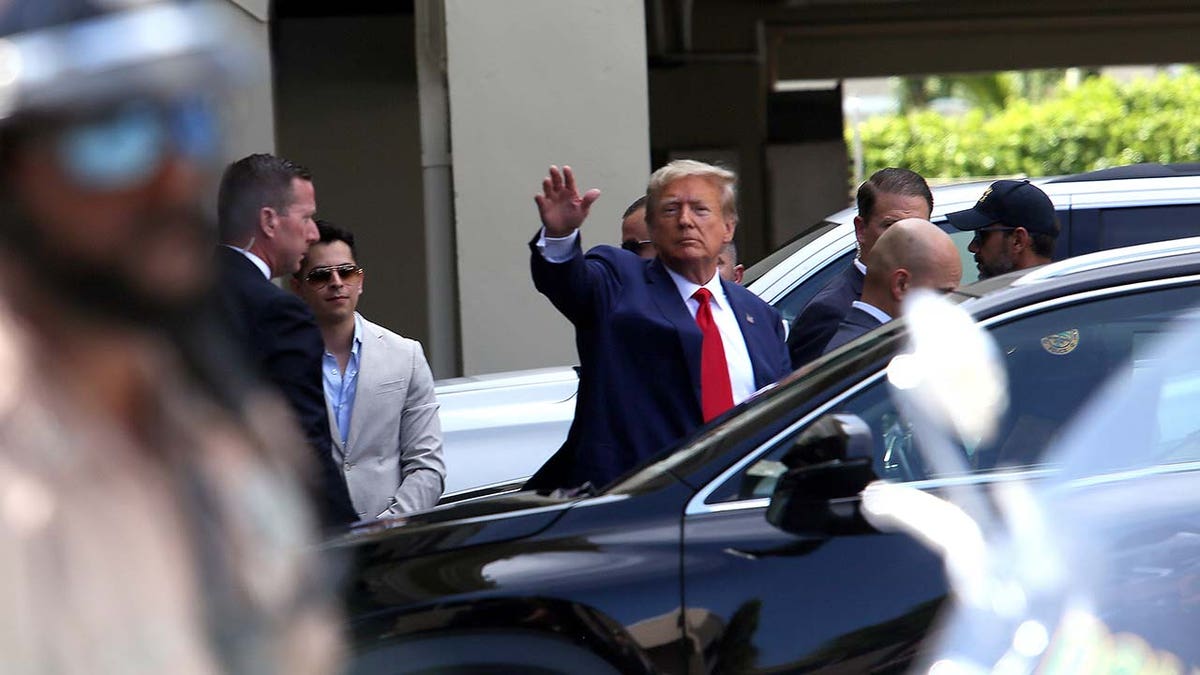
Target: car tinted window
1056	359
970	273
1174	426
1099	229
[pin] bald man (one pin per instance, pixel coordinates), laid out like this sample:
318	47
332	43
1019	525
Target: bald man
912	253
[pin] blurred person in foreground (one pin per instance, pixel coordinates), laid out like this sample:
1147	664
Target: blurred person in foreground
665	344
1015	227
888	196
912	253
151	519
378	388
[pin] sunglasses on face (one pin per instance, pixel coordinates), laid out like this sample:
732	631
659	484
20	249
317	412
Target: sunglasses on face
319	277
635	246
980	234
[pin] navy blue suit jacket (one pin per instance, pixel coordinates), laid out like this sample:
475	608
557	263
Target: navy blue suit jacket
279	336
639	353
856	323
819	319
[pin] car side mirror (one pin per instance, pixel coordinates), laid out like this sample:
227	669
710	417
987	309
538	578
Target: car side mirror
827	468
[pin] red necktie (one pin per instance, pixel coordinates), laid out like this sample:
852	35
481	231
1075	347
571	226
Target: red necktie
716	394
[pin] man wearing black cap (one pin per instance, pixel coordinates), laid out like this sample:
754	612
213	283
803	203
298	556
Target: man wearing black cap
1015	228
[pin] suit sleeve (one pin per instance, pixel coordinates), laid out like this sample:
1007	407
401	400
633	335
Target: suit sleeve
579	287
812	330
422	469
293	364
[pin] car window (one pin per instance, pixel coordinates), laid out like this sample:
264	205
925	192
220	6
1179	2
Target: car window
1175	427
970	273
1056	360
1105	228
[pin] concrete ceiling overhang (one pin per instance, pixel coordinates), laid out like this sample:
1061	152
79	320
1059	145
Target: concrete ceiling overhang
817	39
980	44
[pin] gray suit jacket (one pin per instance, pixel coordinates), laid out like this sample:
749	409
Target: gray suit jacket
392	458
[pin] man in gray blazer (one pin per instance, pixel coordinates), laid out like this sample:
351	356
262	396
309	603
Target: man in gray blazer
378	389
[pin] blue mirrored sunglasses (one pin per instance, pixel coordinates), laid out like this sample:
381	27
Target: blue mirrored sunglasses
127	144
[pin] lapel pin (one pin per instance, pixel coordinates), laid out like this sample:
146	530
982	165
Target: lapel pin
749	319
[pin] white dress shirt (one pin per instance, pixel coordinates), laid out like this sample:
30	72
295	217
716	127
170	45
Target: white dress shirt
874	311
737	356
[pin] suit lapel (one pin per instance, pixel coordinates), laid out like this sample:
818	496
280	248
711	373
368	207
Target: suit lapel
751	333
335	434
370	374
666	296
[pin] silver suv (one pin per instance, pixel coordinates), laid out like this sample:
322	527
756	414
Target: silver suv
500	428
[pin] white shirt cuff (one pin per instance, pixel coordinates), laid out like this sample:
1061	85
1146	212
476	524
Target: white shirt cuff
557	249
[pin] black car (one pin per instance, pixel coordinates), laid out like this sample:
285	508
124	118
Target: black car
674	567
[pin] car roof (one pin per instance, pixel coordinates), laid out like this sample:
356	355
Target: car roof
1148	170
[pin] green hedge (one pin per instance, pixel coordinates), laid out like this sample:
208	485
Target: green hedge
1098	124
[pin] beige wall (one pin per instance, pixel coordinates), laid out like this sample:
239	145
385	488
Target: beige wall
805	183
346	99
259	9
536	82
251	110
733	123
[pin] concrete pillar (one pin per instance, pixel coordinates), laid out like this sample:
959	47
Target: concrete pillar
534	83
251	111
805	183
437	172
347	94
717	111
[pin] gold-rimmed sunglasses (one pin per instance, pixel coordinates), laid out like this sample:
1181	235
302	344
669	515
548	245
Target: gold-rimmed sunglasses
319	277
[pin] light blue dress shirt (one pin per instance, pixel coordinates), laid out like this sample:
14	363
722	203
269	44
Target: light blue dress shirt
340	387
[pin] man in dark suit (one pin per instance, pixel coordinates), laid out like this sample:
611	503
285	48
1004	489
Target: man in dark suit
912	253
665	344
887	196
266	206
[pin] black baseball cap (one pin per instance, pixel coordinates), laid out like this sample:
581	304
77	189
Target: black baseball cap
1014	203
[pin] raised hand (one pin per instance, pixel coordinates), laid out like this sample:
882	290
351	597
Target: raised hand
560	206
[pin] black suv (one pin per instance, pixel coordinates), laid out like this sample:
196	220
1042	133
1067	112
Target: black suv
674	568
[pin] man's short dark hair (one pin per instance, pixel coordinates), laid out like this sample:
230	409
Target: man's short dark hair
639	203
249	184
330	233
893	181
1043	244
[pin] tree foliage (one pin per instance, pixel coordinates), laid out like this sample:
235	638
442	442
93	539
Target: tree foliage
1100	123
